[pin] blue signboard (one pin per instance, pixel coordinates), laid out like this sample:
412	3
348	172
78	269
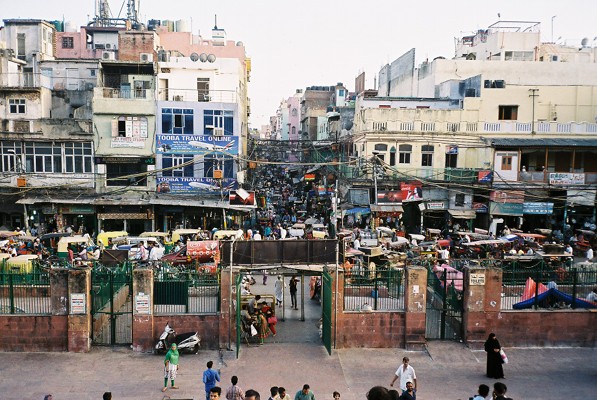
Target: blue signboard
196	144
537	208
505	208
179	185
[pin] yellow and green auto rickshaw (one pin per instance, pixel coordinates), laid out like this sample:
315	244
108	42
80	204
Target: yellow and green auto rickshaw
75	241
21	264
104	237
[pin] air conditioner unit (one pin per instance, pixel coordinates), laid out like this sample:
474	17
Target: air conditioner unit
108	45
108	55
209	126
177	98
218	131
146	57
100	46
2	53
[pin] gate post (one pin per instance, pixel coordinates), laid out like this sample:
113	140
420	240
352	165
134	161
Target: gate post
227	328
79	318
143	337
415	305
482	291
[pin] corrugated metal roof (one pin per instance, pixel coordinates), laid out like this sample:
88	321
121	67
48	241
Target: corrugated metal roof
545	142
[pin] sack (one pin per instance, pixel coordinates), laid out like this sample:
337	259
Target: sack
253	330
272	320
504	357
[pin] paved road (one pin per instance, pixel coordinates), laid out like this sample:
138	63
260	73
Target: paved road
447	370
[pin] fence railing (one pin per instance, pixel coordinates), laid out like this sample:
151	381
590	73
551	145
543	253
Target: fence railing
106	282
574	283
25	293
373	290
186	292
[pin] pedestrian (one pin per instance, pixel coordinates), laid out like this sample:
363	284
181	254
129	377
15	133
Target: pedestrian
589	254
482	392
48	397
273	392
305	393
282	395
279	290
494	358
336	395
378	393
409	393
499	391
107	396
234	392
210	377
252	395
293	290
265	277
592	296
215	393
170	367
406	373
270	317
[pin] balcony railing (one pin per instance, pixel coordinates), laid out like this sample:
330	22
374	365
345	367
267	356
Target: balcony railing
24	80
456	175
481	127
123	93
194	95
543	176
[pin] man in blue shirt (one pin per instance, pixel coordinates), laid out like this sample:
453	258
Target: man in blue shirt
210	377
304	394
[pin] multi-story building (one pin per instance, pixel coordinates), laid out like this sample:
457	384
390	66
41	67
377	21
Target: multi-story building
507	109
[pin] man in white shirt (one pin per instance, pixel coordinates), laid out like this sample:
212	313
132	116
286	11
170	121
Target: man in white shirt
406	373
590	254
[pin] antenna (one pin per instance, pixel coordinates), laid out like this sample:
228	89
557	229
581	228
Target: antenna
215	21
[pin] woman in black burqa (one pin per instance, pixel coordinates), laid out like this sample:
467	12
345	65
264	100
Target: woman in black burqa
494	359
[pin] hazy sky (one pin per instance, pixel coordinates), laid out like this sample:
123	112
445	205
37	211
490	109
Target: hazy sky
295	44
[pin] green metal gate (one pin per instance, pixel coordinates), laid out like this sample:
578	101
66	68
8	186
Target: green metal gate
327	311
444	306
112	306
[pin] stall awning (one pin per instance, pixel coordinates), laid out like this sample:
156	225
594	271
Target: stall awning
383	208
463	214
356	210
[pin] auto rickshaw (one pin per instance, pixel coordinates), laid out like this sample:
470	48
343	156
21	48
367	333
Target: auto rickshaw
104	237
50	241
77	241
22	264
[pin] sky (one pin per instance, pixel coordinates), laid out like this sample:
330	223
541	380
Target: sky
297	44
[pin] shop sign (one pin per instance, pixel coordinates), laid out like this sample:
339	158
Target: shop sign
127	142
196	144
452	149
78	303
507	196
76	209
515	209
358	196
480	208
477	279
556	178
309	177
411	191
485	176
242	198
436	205
389	196
537	208
194	185
142	303
584	197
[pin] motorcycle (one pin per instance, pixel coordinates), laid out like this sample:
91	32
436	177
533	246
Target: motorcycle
186	342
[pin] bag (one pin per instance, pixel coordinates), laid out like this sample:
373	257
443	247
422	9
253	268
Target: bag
504	357
272	320
253	331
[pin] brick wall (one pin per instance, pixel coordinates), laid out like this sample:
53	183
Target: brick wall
370	329
34	333
132	44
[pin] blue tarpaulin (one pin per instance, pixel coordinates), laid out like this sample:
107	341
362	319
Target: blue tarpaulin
550	297
356	210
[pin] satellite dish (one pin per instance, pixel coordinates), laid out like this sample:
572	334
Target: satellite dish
211	58
203	57
194	57
240	44
584	42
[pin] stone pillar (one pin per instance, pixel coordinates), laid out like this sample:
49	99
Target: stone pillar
481	303
415	304
59	293
227	325
79	318
143	340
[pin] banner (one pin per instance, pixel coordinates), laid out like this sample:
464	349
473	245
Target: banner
389	196
507	196
192	185
485	176
411	191
515	209
196	144
236	200
537	208
584	197
557	178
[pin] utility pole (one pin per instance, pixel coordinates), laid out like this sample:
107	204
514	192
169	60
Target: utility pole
533	95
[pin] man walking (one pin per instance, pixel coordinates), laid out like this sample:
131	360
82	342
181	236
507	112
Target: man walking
304	394
234	392
209	378
293	290
409	393
406	373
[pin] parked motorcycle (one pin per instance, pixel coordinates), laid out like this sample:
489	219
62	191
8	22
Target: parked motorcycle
186	342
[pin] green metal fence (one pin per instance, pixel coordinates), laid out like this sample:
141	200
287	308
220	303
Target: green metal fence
379	289
25	293
186	292
326	313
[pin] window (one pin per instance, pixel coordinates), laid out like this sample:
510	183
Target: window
202	89
16	106
172	165
508	113
92	71
381	147
294	131
114	172
451	160
404	151
177	120
218	119
294	112
212	162
427	156
77	158
341	92
68	42
459	200
506	163
21	54
47	157
11	157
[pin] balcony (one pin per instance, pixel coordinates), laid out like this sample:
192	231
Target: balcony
201	96
544	177
24	81
454	175
123	101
